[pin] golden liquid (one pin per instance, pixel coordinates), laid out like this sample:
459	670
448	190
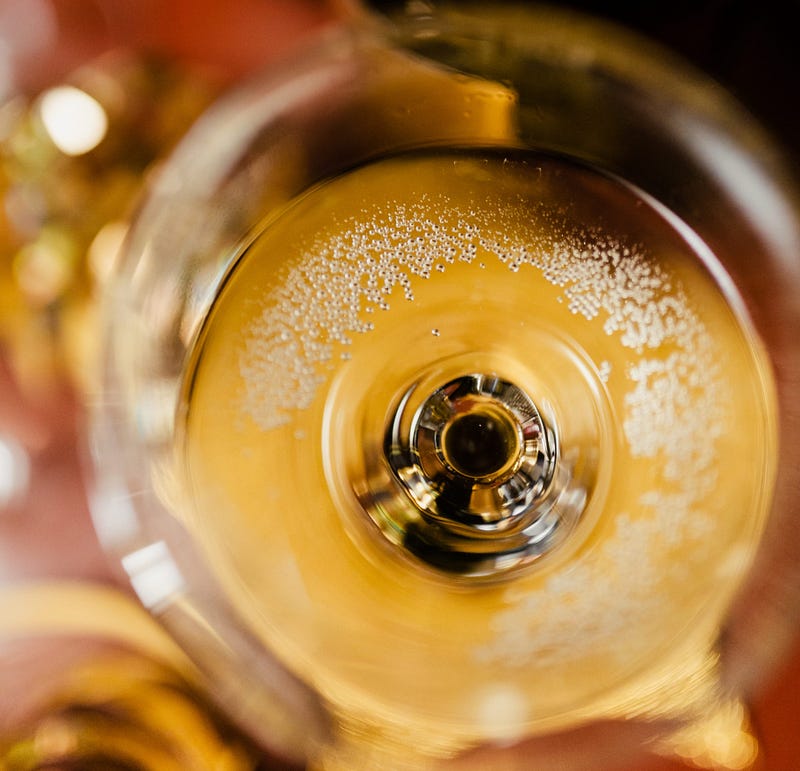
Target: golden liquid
609	313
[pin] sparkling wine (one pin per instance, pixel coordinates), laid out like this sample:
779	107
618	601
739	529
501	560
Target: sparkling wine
480	443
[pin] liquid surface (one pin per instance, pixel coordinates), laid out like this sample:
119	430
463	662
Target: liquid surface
606	311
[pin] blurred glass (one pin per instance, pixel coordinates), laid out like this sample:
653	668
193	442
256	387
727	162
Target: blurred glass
112	691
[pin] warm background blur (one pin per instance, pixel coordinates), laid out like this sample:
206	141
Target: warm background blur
44	526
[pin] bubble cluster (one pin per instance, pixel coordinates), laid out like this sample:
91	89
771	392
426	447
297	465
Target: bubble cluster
363	264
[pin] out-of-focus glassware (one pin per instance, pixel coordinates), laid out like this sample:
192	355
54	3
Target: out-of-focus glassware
112	691
87	679
448	394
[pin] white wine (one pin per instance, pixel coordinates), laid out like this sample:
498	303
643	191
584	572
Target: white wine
491	284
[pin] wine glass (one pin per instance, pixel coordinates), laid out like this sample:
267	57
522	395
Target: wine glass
446	372
107	676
